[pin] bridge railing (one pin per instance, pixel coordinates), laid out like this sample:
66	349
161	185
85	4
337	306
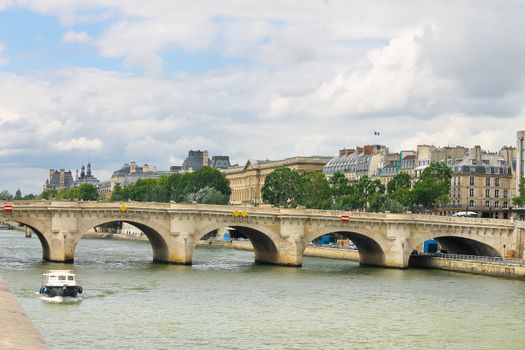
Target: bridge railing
491	259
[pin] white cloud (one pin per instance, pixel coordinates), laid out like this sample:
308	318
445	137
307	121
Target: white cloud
80	143
76	37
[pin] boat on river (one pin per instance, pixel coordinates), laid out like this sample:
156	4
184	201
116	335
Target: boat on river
60	283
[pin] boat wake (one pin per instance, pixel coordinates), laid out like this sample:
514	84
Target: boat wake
60	300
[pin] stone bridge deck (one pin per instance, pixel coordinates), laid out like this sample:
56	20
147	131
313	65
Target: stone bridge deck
279	236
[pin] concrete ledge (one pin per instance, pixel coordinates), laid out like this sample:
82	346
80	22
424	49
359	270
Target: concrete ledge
476	267
16	330
329	253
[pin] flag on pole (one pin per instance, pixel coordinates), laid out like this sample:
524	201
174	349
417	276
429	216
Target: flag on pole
376	133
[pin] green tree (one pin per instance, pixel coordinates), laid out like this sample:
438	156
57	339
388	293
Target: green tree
369	192
29	197
49	194
400	180
119	194
207	195
282	187
18	194
433	187
339	186
5	195
87	192
519	200
208	177
316	192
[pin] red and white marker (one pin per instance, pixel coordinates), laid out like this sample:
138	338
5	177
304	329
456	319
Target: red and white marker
345	218
8	208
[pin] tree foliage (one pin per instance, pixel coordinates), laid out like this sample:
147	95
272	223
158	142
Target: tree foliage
178	187
519	200
433	188
283	188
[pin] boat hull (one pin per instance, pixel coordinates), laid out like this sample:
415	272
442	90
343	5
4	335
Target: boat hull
61	291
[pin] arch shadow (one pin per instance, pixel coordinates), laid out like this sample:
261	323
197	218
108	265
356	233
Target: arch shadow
370	251
158	244
41	237
265	250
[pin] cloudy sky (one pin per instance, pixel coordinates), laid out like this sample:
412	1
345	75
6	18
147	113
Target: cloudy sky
114	81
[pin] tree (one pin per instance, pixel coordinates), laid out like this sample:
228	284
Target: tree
282	187
119	194
316	191
5	195
49	194
339	186
87	192
370	193
208	195
433	188
208	177
18	194
401	180
519	200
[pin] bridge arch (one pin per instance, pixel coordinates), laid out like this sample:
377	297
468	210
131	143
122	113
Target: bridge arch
154	233
367	243
457	244
263	239
41	230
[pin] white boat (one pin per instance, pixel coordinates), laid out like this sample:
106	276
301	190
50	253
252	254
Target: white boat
60	283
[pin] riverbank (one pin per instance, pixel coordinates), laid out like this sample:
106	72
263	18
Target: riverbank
497	269
17	330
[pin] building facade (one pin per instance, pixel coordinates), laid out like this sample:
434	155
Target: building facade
482	182
246	181
59	180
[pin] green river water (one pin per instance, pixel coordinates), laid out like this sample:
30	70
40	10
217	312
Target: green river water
224	301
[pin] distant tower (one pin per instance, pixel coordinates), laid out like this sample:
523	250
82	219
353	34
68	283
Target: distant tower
89	170
82	172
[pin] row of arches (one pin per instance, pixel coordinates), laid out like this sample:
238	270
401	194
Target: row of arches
265	249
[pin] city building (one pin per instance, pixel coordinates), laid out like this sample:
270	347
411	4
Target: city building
355	163
395	163
59	180
199	159
130	173
86	176
481	182
246	181
520	157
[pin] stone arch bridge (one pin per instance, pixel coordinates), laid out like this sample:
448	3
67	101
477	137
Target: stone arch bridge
279	236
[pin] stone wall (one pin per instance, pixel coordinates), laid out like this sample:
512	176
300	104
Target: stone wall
476	267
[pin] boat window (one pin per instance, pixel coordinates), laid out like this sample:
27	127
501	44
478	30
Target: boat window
70	278
62	278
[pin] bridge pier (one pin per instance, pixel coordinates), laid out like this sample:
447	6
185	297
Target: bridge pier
179	249
62	245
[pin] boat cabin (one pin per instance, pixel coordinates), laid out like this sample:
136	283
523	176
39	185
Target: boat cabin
59	278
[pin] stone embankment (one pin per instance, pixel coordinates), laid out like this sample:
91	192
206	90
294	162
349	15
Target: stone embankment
320	252
497	269
16	330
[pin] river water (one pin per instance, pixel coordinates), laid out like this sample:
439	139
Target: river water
224	301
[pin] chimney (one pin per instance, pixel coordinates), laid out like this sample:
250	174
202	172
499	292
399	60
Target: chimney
51	173
477	152
359	150
133	168
62	178
345	152
205	158
145	168
368	150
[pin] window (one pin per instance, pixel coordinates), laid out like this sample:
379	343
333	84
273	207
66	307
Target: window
487	181
487	193
472	181
496	181
471	192
505	204
496	193
487	204
471	203
62	278
496	204
505	193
